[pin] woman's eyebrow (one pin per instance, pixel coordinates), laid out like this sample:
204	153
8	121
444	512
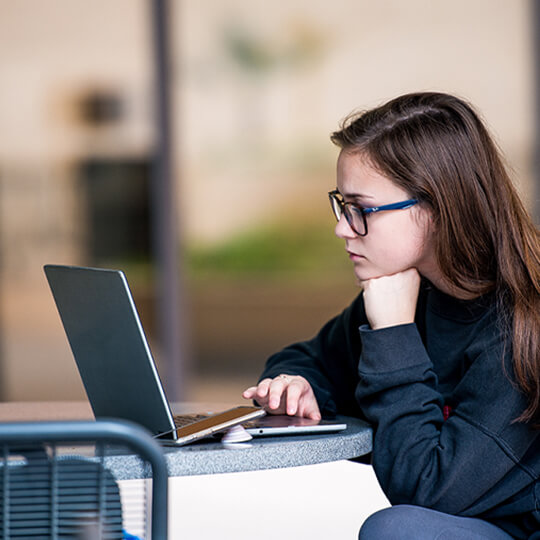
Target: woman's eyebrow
357	196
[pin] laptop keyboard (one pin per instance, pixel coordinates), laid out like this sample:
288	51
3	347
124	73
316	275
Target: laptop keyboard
181	420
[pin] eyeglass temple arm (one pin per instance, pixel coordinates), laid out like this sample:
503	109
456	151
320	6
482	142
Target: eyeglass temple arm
394	206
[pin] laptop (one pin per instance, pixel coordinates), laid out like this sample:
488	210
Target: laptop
116	365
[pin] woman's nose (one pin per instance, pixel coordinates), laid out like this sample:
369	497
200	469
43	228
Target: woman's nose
343	229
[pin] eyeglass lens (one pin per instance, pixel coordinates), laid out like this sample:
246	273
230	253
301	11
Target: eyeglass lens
354	217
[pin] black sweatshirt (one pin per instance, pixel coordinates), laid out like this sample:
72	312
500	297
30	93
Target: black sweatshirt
440	398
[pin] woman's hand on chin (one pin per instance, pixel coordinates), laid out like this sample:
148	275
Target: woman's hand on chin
391	300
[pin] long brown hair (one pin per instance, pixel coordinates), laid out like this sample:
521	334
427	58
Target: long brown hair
436	147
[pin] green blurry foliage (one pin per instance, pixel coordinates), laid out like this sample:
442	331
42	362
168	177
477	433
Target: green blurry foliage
295	250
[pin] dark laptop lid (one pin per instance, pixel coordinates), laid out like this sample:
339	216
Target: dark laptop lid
109	345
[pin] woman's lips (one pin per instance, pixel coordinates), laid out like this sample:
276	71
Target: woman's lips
355	256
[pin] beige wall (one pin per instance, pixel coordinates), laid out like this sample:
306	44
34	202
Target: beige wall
363	52
240	131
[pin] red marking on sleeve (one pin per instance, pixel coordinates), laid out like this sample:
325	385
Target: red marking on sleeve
447	411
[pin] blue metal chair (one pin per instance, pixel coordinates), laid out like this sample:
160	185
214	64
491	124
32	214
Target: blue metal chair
55	481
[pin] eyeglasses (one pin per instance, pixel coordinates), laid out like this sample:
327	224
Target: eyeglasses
356	215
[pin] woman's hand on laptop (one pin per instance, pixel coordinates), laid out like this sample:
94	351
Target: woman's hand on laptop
285	394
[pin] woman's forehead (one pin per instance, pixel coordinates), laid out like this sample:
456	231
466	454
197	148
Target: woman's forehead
356	176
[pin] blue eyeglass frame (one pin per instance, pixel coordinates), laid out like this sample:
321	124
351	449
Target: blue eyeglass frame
347	208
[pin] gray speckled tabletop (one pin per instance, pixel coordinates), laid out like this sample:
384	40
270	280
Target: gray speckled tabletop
259	453
211	456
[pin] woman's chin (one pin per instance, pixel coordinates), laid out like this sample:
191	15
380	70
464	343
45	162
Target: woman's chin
366	276
363	274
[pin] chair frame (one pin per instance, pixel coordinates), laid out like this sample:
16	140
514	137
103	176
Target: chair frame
113	431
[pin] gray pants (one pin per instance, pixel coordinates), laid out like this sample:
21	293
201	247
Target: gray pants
404	522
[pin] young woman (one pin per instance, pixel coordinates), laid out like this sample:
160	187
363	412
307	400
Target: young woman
441	349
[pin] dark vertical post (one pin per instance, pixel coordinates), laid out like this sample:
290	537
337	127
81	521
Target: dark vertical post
536	149
170	323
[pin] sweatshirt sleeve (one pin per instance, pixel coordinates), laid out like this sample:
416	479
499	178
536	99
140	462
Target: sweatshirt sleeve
329	362
419	458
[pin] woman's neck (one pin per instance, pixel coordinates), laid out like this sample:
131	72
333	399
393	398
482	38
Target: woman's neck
438	280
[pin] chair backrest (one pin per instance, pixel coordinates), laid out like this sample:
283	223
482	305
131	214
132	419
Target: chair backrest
55	481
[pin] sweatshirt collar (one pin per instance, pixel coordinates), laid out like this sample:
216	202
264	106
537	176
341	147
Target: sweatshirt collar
455	309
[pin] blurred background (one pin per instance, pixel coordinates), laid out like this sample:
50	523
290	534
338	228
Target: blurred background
253	91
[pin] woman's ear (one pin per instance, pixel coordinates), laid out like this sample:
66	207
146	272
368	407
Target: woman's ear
424	216
428	223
